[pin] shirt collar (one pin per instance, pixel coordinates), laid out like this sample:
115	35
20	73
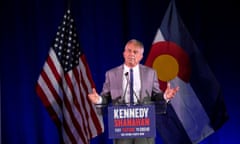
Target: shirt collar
127	69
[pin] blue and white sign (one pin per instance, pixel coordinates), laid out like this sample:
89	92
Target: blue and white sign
131	121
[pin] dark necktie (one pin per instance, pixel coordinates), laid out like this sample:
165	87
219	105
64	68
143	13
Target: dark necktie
131	87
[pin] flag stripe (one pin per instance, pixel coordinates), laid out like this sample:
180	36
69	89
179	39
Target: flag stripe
83	109
67	132
86	71
53	96
75	106
50	95
50	98
48	106
48	84
80	101
191	112
65	137
55	66
94	122
70	113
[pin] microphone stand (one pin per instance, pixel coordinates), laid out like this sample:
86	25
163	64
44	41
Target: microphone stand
125	91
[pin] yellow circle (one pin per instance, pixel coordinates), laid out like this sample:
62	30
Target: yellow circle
166	66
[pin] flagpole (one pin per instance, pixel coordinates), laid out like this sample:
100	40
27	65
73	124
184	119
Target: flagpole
69	2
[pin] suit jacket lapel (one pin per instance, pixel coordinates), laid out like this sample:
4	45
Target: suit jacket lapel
118	81
143	80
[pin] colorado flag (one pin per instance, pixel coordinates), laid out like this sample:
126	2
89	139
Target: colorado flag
198	109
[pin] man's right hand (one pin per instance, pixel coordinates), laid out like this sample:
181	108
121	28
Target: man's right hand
94	97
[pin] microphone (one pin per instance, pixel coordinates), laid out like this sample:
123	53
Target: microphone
147	98
125	91
116	101
138	100
134	93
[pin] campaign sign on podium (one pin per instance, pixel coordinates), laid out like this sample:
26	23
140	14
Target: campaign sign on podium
133	121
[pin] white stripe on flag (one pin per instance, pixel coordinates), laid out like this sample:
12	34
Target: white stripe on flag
190	112
158	37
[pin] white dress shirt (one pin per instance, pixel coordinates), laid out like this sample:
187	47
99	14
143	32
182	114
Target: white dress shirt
136	84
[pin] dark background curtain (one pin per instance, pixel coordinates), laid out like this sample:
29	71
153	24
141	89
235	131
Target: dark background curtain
28	28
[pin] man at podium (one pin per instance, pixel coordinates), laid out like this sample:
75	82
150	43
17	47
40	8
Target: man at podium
132	83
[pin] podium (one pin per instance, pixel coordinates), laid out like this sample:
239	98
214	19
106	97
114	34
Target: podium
131	121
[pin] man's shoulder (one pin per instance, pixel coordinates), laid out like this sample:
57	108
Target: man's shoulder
147	68
114	69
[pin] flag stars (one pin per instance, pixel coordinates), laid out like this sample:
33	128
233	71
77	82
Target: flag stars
55	45
66	45
68	50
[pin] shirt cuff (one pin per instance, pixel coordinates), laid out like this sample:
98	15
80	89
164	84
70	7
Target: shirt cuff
165	97
99	100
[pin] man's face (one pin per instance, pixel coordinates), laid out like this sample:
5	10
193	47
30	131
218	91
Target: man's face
132	54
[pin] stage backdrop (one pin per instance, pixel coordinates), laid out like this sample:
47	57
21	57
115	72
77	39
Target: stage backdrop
28	28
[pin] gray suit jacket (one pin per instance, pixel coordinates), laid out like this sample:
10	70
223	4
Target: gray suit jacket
112	88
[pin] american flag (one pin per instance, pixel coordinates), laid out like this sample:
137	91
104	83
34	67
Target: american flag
63	86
